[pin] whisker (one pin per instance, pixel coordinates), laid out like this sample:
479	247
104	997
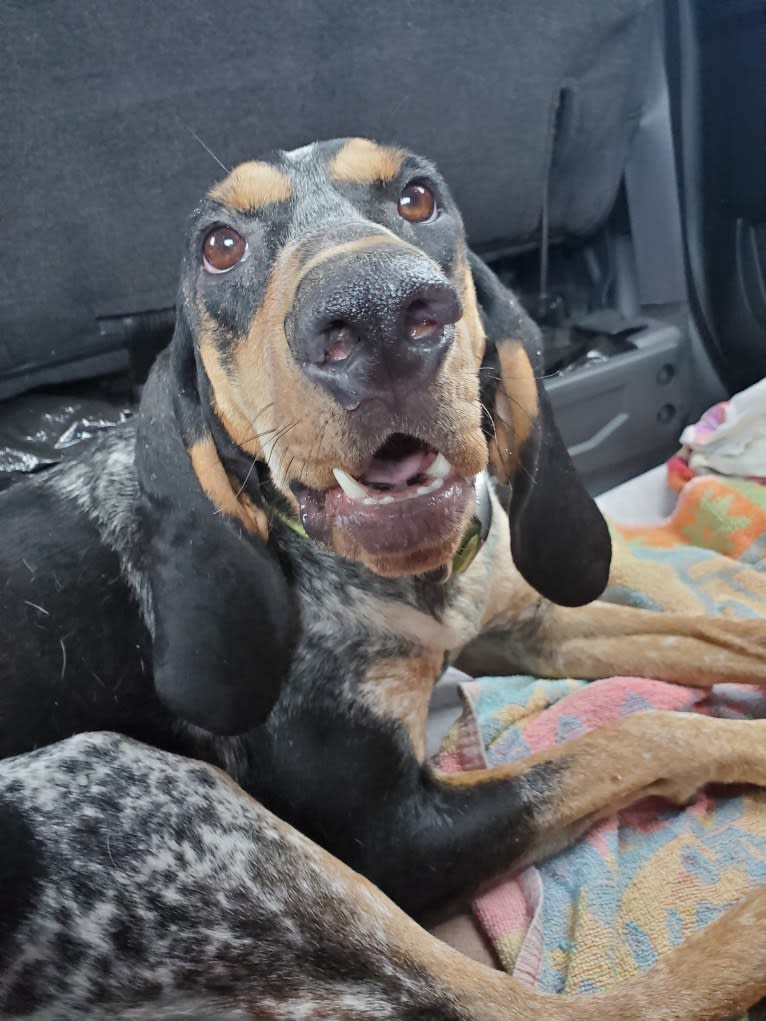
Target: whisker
247	478
206	147
535	375
315	446
514	400
490	417
262	410
286	471
308	460
527	472
283	431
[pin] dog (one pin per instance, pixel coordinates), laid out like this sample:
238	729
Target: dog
344	474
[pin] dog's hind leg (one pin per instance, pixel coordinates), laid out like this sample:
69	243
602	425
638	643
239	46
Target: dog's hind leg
158	889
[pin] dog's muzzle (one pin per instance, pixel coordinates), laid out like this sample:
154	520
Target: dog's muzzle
373	325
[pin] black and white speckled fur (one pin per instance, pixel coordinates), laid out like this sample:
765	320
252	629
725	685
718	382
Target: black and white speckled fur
148	887
159	891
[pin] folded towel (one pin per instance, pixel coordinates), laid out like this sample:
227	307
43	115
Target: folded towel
729	439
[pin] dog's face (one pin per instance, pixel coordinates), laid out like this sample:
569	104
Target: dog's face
330	294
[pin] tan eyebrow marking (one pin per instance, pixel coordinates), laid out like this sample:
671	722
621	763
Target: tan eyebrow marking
363	162
251	186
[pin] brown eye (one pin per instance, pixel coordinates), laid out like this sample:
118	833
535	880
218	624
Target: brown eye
222	249
417	204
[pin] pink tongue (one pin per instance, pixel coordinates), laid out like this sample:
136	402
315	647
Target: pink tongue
396	472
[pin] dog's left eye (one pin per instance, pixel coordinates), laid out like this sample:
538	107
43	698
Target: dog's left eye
223	249
417	203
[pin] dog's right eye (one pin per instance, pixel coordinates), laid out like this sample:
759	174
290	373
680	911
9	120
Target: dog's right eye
222	249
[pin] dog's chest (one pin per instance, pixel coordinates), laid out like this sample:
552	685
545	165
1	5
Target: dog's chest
353	622
352	617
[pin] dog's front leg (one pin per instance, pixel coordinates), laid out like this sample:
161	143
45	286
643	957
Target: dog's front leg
456	832
523	633
459	830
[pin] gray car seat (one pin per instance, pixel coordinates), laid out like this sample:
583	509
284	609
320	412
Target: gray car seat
549	120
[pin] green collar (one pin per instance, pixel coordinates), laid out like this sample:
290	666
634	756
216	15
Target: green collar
477	531
473	540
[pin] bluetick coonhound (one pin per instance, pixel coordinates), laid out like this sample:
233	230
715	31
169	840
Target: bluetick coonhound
344	473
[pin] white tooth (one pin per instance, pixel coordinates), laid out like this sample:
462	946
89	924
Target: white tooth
369	500
386	499
353	489
431	487
440	468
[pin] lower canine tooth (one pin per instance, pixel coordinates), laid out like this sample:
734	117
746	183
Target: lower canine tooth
440	468
431	487
353	489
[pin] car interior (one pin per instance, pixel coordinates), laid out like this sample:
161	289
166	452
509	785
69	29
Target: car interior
607	158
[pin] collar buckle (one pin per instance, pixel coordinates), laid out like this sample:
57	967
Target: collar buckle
477	531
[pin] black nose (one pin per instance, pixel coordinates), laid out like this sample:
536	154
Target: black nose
373	325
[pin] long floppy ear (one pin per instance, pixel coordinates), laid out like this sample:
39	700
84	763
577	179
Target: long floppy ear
223	612
559	540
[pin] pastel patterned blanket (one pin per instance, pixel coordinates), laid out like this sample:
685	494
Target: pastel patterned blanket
640	882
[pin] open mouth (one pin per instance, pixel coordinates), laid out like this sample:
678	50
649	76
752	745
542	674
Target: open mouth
408	497
401	469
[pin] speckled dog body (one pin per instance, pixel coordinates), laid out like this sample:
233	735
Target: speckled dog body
209	581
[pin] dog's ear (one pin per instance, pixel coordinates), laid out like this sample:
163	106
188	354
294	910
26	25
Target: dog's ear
223	615
559	539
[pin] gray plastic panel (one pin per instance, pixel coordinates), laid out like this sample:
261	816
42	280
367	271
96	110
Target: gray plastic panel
623	416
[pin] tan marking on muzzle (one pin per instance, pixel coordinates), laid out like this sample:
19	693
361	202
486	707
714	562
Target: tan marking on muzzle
515	409
226	400
263	358
252	186
241	398
266	392
471	320
220	488
361	161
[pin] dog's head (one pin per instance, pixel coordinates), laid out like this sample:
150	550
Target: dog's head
330	298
